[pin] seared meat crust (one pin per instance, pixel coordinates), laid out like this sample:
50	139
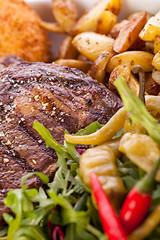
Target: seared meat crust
58	97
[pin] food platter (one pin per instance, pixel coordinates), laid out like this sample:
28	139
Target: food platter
80	131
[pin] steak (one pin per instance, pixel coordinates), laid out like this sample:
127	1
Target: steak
60	98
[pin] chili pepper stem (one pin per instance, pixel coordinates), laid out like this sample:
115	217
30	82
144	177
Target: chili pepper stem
147	182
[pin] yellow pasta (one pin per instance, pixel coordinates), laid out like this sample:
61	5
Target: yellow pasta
101	160
141	150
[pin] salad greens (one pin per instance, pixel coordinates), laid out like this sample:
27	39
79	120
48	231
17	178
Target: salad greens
66	202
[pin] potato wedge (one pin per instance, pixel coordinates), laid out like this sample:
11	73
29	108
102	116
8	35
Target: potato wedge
131	58
151	29
156	44
105	22
92	44
67	51
117	27
156	61
129	32
98	68
73	63
119	70
151	86
88	21
65	12
156	76
125	71
114	6
52	27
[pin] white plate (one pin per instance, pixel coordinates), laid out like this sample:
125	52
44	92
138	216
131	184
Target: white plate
43	8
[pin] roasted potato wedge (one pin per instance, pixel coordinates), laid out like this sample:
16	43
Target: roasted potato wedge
92	44
151	29
151	86
52	27
119	70
125	71
98	68
106	22
156	76
131	58
67	51
114	6
117	27
156	61
73	63
129	32
156	44
89	20
65	12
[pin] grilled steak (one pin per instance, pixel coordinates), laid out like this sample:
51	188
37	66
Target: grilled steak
60	98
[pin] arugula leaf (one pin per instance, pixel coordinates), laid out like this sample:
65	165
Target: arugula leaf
18	200
137	109
43	177
49	140
30	232
93	127
69	214
72	234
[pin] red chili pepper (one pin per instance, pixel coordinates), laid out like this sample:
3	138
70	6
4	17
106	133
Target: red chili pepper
110	222
138	201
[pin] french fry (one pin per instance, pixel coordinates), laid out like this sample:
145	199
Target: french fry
88	21
91	44
105	22
131	58
151	29
156	61
73	63
65	12
98	68
67	51
129	32
52	27
156	76
156	44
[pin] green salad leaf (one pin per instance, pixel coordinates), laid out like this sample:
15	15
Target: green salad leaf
65	201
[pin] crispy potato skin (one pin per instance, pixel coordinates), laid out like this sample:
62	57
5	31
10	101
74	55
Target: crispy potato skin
20	32
129	33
